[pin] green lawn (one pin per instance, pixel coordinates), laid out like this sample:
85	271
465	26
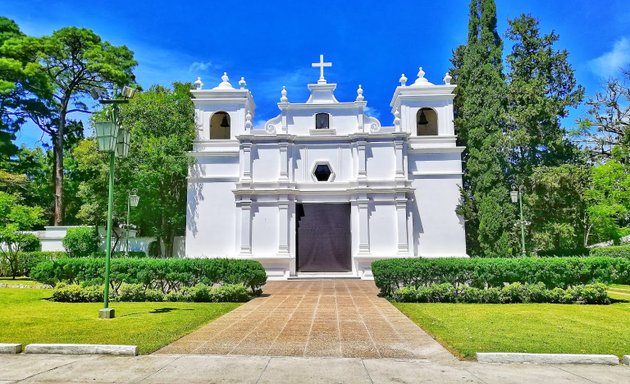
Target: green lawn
19	281
27	317
536	328
619	292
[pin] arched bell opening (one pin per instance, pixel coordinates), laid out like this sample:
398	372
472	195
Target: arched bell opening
220	126
426	122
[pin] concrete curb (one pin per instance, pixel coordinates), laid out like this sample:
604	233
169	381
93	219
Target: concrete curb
10	348
546	358
83	349
626	359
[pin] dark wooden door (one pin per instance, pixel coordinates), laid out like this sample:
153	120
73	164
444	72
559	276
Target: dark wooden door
323	238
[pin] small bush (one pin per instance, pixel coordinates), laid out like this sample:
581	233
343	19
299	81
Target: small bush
81	242
138	293
75	293
612	251
30	243
562	272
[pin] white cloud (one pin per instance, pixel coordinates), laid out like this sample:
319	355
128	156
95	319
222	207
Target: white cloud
611	63
198	66
373	112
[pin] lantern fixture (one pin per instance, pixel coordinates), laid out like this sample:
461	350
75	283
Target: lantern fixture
128	92
514	196
106	135
122	143
134	199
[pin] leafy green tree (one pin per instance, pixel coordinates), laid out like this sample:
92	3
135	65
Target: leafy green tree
541	87
609	197
481	104
15	218
557	208
162	130
74	62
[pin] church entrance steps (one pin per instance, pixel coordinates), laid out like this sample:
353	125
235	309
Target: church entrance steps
322	276
328	318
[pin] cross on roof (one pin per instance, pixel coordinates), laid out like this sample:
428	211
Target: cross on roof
321	66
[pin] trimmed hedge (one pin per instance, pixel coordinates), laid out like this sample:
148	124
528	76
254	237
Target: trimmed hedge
81	242
75	293
166	275
28	260
392	274
512	293
612	251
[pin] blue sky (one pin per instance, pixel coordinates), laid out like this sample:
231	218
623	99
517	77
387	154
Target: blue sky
273	43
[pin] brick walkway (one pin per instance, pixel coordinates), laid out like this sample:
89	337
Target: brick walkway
335	318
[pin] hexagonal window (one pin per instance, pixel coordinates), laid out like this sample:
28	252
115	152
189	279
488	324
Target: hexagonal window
322	172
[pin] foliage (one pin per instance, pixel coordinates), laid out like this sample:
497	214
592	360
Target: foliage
162	129
557	208
27	260
200	293
607	126
167	275
81	242
495	272
74	293
15	219
508	294
58	73
609	198
27	317
534	328
481	106
541	88
612	251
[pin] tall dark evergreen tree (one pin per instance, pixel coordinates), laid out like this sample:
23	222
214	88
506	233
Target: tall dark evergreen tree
481	110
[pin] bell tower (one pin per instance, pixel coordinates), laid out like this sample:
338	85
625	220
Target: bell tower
223	112
424	109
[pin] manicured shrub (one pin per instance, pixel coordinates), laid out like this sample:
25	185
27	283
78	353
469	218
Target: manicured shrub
138	293
392	274
27	260
201	293
612	251
30	243
75	293
511	293
81	242
166	275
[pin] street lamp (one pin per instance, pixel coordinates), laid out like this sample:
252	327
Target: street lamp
132	201
517	196
113	139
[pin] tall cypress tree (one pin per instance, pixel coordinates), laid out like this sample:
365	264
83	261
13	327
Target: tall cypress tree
480	112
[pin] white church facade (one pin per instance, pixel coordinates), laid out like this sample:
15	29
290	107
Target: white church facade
323	189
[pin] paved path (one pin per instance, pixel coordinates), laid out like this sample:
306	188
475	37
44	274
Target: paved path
164	368
325	318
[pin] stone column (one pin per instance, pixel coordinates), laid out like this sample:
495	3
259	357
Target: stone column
246	162
364	224
283	228
284	162
362	174
246	227
402	227
400	165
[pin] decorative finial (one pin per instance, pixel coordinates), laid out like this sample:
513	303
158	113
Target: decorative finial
242	82
198	84
421	81
403	80
396	118
283	93
360	93
225	82
248	120
447	78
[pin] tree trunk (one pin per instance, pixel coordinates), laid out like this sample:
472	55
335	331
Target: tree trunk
58	166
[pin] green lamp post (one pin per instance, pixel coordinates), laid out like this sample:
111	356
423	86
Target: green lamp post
132	201
113	139
517	197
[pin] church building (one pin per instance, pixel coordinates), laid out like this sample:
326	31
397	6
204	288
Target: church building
323	189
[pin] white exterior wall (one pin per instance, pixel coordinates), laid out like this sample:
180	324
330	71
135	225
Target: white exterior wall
402	189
